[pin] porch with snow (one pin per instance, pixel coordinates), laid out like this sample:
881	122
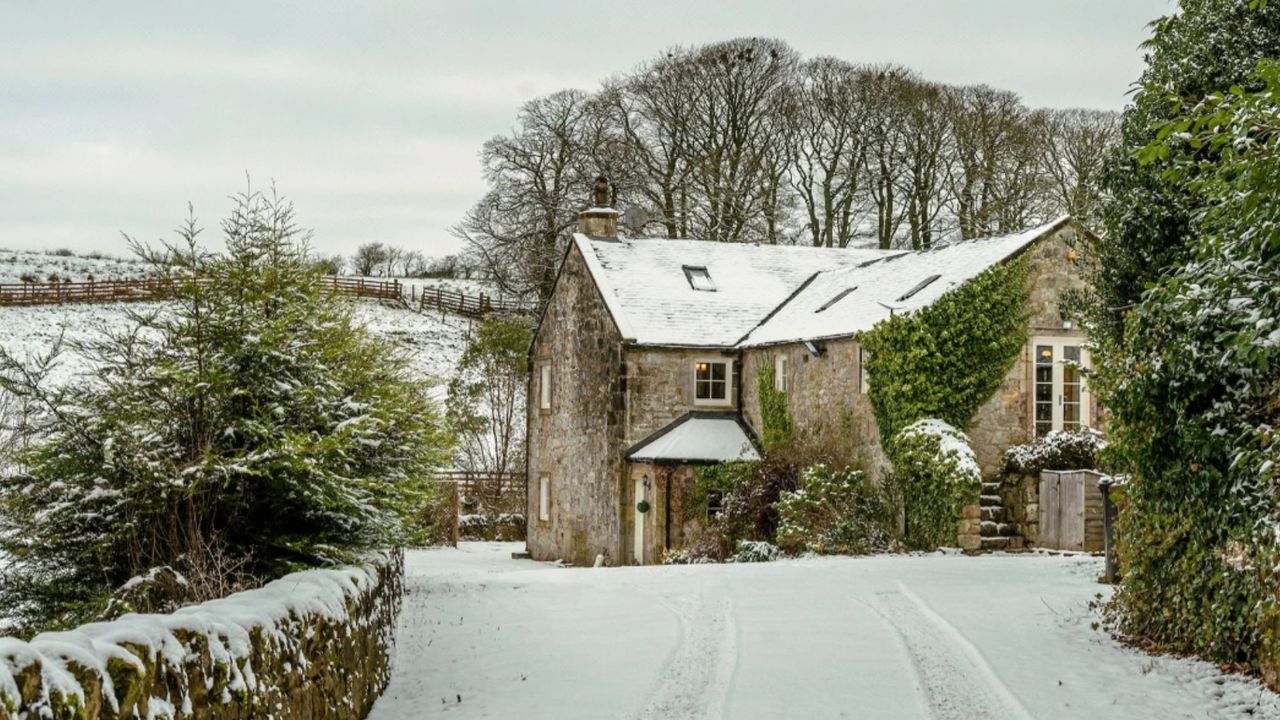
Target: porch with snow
662	470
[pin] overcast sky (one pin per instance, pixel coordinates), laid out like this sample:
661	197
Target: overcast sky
369	115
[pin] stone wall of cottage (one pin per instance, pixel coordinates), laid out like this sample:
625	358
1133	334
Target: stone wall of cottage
660	387
830	409
578	444
830	412
1006	419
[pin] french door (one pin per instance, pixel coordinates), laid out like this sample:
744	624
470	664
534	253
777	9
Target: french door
1060	400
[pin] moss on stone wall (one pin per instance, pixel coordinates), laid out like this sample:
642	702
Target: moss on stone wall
320	650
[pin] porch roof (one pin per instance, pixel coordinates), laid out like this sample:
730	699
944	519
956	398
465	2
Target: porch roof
698	437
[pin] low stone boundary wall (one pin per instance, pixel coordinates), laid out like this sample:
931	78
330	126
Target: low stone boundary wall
311	645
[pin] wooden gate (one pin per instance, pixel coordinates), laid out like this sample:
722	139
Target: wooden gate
1070	510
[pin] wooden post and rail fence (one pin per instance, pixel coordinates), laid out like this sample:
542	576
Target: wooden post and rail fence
150	289
498	492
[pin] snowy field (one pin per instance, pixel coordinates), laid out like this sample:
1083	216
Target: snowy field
47	267
433	341
941	637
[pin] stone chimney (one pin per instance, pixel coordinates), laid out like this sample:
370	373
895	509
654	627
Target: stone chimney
601	219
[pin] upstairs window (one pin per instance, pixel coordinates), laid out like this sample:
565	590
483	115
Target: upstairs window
864	383
711	382
544	387
699	278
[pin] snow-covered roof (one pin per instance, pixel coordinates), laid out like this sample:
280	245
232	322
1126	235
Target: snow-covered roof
770	294
904	283
698	437
650	296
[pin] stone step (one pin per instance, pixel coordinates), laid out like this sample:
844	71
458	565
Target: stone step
995	543
994	513
995	529
991	488
990	501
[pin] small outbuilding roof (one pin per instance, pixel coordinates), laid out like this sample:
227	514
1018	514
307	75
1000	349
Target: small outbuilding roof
698	437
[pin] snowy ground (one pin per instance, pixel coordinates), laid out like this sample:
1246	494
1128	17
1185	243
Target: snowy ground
1009	637
46	267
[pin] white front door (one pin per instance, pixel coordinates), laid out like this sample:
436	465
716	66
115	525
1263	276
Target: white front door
1060	400
639	528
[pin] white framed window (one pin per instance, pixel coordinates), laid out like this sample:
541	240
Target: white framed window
544	497
544	386
712	382
863	380
780	373
1059	396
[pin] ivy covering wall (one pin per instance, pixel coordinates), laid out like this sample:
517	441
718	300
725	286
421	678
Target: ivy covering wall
948	359
777	426
941	364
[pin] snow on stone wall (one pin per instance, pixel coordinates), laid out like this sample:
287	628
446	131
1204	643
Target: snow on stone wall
311	645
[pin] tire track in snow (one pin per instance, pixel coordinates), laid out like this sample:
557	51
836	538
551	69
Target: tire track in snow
959	683
694	681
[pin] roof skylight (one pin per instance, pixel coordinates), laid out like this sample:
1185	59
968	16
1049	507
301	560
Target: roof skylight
839	296
699	278
919	286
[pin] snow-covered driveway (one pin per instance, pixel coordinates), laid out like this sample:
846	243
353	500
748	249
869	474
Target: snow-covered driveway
1008	637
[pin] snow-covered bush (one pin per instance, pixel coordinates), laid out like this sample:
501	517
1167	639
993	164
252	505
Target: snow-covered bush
835	513
253	420
936	473
750	551
491	526
704	544
1058	450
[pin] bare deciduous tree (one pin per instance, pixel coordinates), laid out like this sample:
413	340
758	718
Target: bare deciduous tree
1072	147
368	258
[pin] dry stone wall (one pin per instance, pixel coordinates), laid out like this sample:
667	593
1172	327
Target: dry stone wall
311	645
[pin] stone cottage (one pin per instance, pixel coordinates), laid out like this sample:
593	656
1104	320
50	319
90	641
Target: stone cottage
646	359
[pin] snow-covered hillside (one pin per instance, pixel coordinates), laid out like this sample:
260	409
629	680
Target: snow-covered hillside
18	266
433	342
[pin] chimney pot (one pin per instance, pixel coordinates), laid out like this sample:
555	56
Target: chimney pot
601	219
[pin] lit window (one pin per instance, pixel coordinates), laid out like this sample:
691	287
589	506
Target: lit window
544	388
699	278
780	373
544	498
1044	389
710	383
